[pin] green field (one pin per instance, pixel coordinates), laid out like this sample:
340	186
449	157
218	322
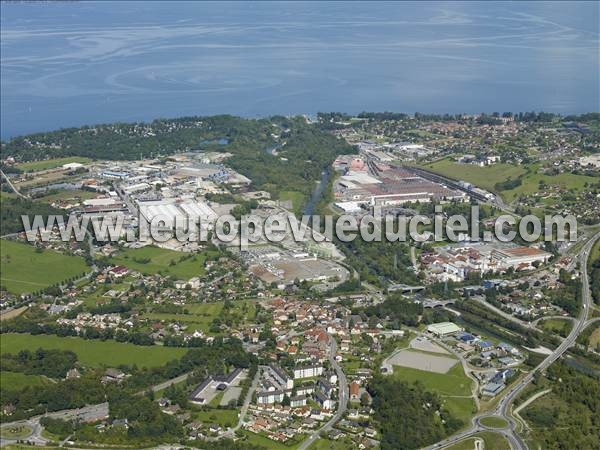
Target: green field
487	177
494	422
531	182
297	199
561	327
25	270
454	387
201	315
93	353
17	381
68	194
484	177
454	382
223	417
160	261
46	164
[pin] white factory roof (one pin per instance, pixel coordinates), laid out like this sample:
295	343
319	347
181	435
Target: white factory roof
349	207
198	210
360	178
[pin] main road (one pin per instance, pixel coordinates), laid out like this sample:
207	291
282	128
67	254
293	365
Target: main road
503	408
342	398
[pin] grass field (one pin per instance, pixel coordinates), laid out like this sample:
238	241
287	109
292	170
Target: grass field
493	441
561	327
201	315
494	422
93	353
35	166
484	177
17	381
25	270
455	382
454	387
68	194
160	261
224	417
297	199
531	182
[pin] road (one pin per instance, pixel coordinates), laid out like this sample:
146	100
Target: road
342	398
86	414
12	186
503	408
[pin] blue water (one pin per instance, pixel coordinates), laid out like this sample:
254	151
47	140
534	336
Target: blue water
71	63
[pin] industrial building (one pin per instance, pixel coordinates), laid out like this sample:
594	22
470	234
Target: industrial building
444	329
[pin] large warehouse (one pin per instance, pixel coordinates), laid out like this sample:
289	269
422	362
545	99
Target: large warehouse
170	209
443	329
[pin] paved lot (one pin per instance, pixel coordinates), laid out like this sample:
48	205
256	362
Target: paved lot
230	394
423	361
424	344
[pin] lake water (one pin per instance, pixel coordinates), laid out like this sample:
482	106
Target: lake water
69	64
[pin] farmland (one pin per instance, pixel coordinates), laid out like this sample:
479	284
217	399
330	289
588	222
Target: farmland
25	270
46	164
201	315
152	260
484	177
93	353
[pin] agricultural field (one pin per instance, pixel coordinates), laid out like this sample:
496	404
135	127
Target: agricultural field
25	270
263	441
201	315
151	260
93	353
484	177
18	381
46	164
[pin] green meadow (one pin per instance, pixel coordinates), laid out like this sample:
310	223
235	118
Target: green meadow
17	381
25	270
35	166
151	260
94	353
484	177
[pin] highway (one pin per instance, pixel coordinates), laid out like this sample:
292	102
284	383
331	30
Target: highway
342	398
503	408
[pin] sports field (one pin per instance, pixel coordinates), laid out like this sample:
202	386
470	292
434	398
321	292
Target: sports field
151	260
93	353
25	270
46	164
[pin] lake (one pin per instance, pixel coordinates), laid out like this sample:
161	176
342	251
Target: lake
70	63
